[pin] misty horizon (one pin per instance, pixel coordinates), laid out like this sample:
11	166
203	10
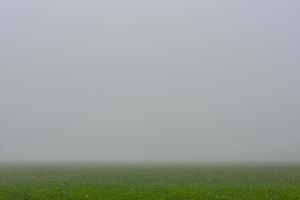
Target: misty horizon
149	81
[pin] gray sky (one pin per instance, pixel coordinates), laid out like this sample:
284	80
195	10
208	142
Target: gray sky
161	80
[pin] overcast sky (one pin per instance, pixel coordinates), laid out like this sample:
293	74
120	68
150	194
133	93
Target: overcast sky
140	80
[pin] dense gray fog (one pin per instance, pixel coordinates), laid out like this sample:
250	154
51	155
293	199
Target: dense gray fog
160	80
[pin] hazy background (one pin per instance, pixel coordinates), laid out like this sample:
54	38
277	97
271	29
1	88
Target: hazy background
139	80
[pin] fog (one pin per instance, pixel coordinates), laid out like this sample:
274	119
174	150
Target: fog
161	80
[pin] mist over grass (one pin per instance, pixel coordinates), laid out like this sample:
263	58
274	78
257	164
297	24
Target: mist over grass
149	181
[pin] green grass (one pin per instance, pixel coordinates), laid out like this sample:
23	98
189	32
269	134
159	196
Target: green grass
157	182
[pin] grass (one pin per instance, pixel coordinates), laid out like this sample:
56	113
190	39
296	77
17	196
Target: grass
157	182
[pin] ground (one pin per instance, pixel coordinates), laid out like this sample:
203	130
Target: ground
145	182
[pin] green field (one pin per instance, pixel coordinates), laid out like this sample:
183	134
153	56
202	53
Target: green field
157	182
